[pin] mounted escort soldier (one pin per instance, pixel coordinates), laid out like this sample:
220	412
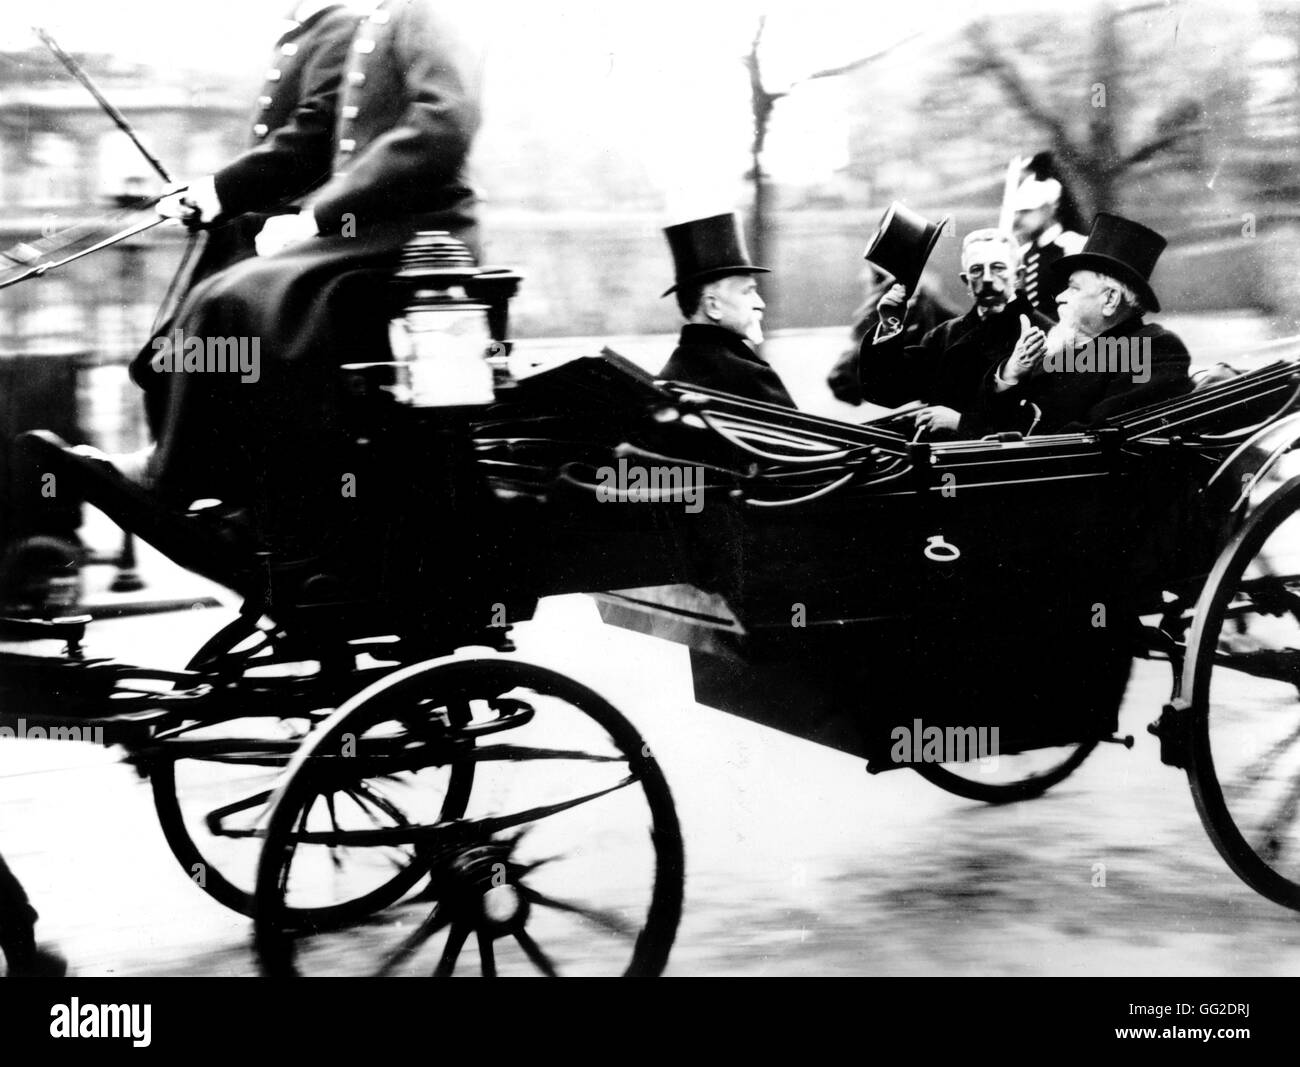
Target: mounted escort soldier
718	296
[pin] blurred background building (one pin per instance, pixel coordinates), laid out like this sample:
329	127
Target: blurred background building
603	125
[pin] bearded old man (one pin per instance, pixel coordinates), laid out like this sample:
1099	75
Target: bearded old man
1103	358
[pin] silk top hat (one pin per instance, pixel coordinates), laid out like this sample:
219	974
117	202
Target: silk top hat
1121	248
903	244
706	249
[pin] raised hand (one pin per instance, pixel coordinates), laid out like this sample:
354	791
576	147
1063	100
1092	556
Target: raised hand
893	304
1029	351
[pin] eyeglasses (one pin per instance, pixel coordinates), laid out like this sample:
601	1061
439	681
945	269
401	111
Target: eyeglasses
976	270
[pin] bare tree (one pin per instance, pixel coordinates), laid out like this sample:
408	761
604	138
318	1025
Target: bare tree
1091	160
762	103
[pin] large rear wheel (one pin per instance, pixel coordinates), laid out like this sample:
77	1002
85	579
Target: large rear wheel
1242	682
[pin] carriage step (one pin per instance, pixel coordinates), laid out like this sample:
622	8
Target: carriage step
71	629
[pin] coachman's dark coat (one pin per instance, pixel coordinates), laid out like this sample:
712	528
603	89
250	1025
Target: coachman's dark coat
291	143
718	358
949	366
925	311
291	147
407	116
1078	400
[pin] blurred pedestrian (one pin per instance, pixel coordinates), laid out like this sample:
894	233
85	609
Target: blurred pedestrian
23	958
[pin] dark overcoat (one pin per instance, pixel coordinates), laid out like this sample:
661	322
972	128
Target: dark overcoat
407	116
925	311
291	146
1076	400
949	366
718	358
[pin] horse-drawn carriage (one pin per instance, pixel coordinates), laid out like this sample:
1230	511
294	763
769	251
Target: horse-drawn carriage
362	763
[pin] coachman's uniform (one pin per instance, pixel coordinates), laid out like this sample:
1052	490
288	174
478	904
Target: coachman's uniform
291	148
292	136
1039	257
407	115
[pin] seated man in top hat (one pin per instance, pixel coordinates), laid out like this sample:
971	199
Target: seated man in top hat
718	297
1102	359
947	368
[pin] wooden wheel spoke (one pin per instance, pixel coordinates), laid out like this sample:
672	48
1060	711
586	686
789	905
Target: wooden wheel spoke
533	951
518	753
1272	837
1261	765
605	920
487	955
371	803
451	951
430	925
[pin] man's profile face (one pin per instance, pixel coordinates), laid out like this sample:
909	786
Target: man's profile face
1028	223
733	303
989	271
1081	303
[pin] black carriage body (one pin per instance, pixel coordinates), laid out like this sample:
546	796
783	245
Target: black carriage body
992	587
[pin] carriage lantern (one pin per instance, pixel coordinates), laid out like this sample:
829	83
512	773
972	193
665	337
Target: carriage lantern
449	342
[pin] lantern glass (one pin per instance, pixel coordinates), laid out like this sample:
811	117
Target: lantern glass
444	343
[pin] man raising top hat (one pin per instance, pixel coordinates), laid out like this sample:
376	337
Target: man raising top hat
1102	359
947	366
718	296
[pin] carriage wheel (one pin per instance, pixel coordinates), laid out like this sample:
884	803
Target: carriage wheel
1072	683
231	768
1008	778
1242	678
567	860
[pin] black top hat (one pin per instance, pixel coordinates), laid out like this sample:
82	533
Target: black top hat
903	243
1121	248
705	249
